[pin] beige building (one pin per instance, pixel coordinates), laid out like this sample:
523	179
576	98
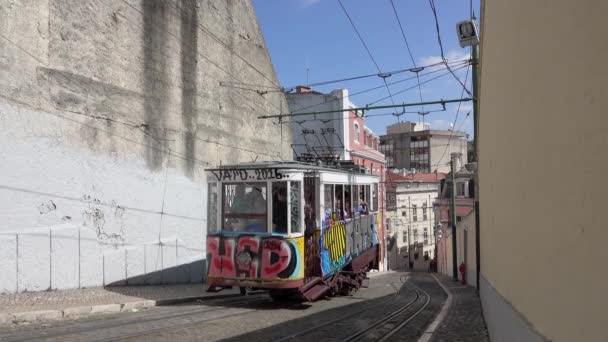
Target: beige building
411	218
415	146
543	158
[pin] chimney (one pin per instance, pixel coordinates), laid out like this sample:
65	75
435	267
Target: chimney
303	89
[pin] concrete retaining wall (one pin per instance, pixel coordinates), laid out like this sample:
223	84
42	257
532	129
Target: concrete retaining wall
109	112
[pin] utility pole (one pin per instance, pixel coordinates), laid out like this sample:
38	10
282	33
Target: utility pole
453	220
409	238
475	70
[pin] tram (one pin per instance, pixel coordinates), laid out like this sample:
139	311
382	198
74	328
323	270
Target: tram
291	228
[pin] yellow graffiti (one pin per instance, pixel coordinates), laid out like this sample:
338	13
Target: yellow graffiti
299	244
335	241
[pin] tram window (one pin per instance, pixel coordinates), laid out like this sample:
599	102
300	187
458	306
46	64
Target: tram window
367	196
328	197
212	195
375	197
339	204
279	207
244	207
295	203
357	197
347	202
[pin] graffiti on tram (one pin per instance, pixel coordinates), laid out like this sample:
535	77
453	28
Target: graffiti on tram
249	256
340	241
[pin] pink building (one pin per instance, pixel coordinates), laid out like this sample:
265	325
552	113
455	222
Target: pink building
464	204
339	136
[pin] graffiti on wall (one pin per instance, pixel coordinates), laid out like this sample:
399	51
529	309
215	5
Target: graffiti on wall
249	256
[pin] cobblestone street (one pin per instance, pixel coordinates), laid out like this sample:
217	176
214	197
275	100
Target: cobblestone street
395	307
464	321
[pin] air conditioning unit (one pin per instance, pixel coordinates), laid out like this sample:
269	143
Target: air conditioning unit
468	34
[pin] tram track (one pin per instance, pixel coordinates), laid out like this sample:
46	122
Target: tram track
88	327
379	330
352	314
387	326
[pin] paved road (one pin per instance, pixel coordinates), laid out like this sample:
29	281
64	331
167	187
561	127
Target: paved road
379	310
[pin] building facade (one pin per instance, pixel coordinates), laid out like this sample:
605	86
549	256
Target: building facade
464	204
111	112
411	219
542	191
336	137
415	146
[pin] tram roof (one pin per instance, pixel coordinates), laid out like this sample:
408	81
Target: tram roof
292	165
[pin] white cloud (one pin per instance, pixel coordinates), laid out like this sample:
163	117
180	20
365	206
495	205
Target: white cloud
451	56
307	3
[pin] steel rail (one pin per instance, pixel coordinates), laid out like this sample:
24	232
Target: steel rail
302	332
402	324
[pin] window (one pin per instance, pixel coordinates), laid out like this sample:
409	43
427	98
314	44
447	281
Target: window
295	203
425	235
328	197
403	213
415	235
212	197
339	202
279	207
404	233
375	197
424	216
244	207
347	202
460	189
356	137
414	213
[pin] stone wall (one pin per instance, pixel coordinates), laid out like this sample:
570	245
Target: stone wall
110	110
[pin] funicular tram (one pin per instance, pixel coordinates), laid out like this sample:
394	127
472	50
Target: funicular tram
291	228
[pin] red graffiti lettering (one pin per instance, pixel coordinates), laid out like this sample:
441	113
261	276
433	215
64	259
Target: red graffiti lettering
247	257
278	259
274	244
220	257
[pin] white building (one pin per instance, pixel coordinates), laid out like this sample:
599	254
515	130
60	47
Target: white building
411	218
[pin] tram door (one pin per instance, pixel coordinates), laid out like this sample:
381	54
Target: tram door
312	261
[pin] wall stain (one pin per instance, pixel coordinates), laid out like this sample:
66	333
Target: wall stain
189	50
155	76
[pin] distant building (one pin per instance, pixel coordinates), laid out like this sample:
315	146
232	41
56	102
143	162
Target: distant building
464	204
410	218
415	146
335	137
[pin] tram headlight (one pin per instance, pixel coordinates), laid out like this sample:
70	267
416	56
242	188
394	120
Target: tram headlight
243	258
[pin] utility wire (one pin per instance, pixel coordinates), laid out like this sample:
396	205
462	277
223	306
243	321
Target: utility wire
463	62
366	49
407	45
434	10
410	88
456	117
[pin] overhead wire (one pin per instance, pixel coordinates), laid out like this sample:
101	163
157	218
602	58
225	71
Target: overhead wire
456	117
366	49
464	61
434	10
407	45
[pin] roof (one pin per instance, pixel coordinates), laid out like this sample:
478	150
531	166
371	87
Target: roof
416	177
293	165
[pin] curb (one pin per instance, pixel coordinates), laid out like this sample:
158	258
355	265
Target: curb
430	330
81	311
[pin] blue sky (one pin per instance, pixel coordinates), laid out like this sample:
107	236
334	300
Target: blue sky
317	33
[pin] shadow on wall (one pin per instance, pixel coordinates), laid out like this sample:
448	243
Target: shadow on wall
194	272
73	257
155	80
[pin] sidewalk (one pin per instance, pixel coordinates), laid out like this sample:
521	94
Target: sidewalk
50	305
464	319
